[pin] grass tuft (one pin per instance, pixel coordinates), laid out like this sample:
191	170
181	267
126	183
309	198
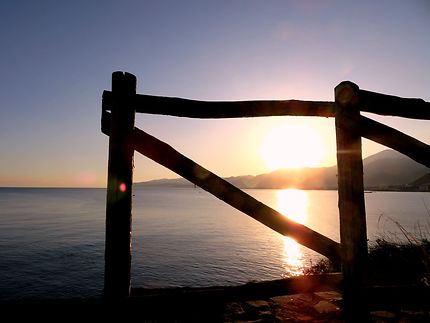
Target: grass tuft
393	261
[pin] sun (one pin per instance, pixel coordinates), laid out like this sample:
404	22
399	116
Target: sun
292	146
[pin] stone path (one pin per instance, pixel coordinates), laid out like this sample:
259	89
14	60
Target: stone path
310	307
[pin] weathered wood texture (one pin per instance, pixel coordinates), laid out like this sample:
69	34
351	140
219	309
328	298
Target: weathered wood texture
352	212
390	105
119	190
394	139
165	155
179	107
369	102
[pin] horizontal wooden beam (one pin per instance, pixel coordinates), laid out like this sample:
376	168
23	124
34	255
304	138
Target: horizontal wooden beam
165	155
252	290
390	105
179	107
370	129
372	102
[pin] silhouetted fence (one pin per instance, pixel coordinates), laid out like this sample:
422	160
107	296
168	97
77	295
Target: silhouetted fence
120	105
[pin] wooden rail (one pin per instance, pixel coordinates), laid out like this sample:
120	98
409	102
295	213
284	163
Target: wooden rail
390	105
372	102
394	139
118	124
369	128
179	107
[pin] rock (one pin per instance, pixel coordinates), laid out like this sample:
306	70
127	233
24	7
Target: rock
330	296
235	308
383	314
258	304
326	307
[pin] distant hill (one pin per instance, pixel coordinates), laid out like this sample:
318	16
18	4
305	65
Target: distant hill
387	169
391	168
304	178
175	182
423	180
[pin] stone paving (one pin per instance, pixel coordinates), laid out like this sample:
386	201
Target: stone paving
310	307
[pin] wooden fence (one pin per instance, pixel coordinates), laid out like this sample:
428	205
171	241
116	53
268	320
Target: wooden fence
118	112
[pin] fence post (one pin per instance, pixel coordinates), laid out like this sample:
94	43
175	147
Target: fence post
352	212
119	188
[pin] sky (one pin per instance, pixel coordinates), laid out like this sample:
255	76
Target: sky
57	57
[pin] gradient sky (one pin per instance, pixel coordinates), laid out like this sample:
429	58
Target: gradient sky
57	57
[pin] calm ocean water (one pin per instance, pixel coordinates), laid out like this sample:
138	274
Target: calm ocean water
52	240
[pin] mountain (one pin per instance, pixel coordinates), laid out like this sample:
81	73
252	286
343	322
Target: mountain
391	168
387	169
166	182
423	180
304	178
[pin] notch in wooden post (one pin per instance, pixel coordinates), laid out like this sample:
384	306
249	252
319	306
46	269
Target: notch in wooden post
119	190
352	212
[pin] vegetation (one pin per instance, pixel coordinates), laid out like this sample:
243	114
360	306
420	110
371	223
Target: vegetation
399	263
390	263
393	261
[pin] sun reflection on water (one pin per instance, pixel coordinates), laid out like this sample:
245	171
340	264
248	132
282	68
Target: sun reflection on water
293	204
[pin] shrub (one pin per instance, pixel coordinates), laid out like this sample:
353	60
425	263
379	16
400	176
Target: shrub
390	263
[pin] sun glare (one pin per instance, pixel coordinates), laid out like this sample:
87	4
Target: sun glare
294	205
292	146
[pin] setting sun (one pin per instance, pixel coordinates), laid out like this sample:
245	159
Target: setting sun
292	146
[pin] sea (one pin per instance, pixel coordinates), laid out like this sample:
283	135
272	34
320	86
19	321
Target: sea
52	240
